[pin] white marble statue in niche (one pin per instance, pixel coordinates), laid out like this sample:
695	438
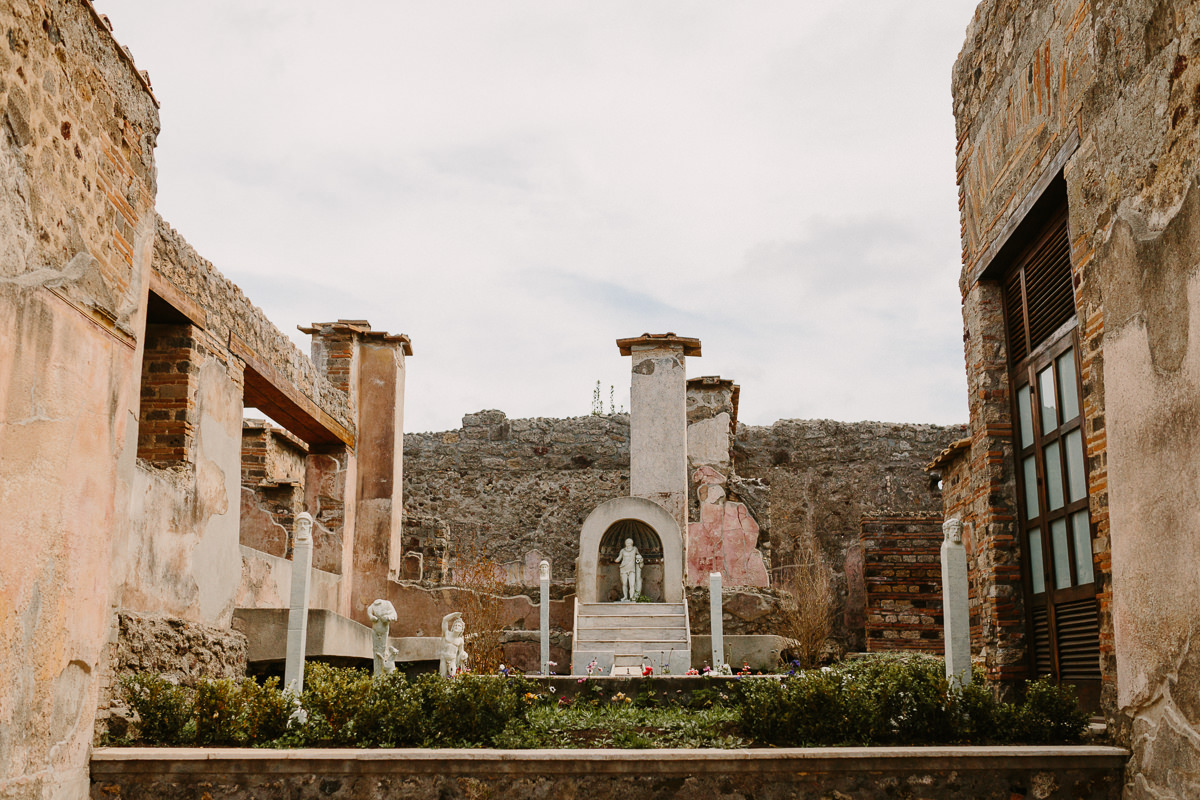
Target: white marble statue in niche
454	654
631	572
382	614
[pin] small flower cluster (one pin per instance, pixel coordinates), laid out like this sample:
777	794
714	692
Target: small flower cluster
620	697
647	671
696	671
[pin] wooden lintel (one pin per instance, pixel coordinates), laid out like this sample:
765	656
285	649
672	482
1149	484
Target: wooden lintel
265	389
179	301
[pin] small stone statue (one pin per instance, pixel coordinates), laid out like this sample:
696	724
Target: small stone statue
631	572
454	654
952	530
382	614
543	570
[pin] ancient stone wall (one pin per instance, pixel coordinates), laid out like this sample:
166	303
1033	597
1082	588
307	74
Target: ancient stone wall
903	574
506	487
235	322
273	472
820	477
1105	94
179	650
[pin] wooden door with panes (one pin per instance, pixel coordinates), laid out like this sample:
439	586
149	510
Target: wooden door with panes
1056	533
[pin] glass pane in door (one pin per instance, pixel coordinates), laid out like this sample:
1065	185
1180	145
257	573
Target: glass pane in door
1054	484
1031	496
1068	388
1025	413
1046	395
1076	478
1037	570
1083	547
1060	554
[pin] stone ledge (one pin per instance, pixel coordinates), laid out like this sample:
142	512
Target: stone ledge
118	761
864	773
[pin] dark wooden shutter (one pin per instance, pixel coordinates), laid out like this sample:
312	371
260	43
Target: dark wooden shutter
1043	662
1038	293
1078	628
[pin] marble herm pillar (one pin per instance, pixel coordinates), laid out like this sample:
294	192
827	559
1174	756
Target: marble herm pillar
956	621
717	614
297	629
544	585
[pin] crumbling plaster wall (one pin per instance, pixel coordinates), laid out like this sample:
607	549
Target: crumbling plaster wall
1123	76
77	132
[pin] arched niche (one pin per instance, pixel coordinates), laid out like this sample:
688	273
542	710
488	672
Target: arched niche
608	572
645	522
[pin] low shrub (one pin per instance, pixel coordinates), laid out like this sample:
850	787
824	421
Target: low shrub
165	711
903	700
877	700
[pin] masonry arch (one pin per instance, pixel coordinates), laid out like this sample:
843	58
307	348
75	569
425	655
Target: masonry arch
640	519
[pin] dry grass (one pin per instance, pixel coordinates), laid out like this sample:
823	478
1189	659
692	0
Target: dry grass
808	615
482	582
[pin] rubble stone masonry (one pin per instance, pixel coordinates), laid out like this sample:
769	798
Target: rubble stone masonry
504	488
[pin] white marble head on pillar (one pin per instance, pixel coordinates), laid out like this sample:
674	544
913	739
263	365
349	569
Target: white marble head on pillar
658	419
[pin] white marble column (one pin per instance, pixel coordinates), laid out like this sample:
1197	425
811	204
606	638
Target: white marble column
297	630
717	616
544	582
956	618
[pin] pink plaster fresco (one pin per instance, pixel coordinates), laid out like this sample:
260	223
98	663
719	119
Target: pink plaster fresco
724	539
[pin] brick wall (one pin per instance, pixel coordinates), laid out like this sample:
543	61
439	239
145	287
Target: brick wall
170	378
903	574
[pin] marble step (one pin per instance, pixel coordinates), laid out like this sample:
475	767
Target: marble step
631	635
630	609
656	621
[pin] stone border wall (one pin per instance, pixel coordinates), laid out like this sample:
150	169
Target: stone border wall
864	773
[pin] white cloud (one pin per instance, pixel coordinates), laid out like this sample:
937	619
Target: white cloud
516	185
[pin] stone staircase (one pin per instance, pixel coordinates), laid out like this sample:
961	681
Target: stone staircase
623	637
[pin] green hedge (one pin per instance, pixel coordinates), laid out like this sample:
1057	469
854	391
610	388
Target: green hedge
340	708
902	700
896	700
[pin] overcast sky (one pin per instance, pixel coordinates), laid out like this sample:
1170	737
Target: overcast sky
516	184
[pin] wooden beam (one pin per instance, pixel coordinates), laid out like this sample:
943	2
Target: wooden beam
267	390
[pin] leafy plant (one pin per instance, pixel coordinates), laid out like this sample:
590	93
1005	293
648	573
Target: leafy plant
165	711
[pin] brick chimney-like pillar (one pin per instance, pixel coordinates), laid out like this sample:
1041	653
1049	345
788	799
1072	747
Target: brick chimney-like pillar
369	365
658	420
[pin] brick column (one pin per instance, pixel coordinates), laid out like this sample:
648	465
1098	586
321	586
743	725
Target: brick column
369	366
